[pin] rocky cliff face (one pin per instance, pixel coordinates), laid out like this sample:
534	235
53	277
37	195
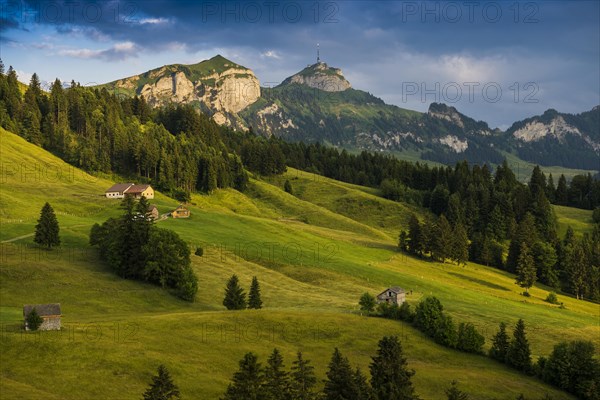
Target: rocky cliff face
320	76
218	85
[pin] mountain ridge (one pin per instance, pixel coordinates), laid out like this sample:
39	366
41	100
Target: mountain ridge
319	104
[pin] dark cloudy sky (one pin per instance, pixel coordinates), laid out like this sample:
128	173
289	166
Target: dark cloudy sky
495	61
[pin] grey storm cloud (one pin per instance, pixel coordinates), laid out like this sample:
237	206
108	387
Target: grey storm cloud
380	45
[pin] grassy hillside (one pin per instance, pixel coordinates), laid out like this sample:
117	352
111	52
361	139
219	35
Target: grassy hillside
580	220
314	253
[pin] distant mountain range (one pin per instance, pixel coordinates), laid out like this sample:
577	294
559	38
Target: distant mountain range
319	104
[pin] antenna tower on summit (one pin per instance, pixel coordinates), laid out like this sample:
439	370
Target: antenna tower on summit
318	54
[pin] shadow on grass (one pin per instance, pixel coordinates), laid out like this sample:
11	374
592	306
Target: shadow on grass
479	281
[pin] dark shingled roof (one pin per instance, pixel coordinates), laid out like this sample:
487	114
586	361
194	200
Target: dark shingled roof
395	289
42	309
137	188
119	187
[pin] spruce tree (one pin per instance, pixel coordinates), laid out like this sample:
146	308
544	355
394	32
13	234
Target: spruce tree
254	300
526	270
415	235
519	355
248	382
340	378
460	245
500	344
562	193
363	390
235	298
277	383
46	230
454	393
34	320
526	234
441	240
390	376
162	386
303	379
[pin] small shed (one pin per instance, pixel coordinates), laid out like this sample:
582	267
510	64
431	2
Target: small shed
153	211
180	212
392	295
50	314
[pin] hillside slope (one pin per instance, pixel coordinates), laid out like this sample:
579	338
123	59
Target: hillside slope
312	271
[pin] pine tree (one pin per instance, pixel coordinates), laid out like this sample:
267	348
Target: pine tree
390	376
339	384
34	320
454	393
415	235
363	390
441	240
519	355
303	379
367	303
500	344
162	386
254	300
460	244
277	383
526	234
496	226
235	298
550	189
562	193
47	230
526	270
577	265
248	382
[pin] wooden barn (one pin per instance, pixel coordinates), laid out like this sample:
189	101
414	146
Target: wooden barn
154	211
180	212
392	295
50	314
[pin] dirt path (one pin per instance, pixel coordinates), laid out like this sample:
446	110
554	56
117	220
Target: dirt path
31	234
17	238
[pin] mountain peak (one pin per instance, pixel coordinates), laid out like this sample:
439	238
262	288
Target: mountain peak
320	76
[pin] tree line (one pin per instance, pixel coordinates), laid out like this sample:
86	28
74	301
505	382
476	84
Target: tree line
483	217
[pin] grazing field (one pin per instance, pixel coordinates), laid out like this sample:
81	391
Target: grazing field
314	254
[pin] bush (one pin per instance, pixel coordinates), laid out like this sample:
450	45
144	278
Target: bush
596	215
287	186
367	303
199	252
34	320
469	340
427	313
526	294
551	298
405	313
389	311
445	332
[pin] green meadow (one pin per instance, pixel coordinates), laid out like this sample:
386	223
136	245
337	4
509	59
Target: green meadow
314	253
